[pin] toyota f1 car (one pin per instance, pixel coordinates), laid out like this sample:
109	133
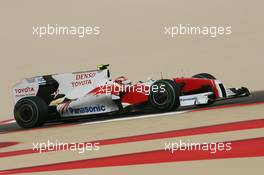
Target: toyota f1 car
90	93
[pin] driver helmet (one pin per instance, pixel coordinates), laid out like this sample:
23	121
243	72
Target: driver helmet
122	80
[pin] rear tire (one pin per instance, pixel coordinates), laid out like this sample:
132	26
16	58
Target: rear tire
30	112
164	95
204	75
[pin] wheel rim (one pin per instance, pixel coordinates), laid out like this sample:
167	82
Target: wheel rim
26	113
160	98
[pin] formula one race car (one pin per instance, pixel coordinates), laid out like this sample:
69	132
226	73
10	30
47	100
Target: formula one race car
90	93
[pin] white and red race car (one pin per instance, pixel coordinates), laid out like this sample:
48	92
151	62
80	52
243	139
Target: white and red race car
89	93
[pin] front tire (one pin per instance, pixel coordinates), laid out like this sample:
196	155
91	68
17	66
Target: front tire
164	95
30	112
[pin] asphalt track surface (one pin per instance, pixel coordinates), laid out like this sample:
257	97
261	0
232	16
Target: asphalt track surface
134	143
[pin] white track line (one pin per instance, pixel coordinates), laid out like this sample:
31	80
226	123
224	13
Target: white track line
12	121
7	122
134	118
122	119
